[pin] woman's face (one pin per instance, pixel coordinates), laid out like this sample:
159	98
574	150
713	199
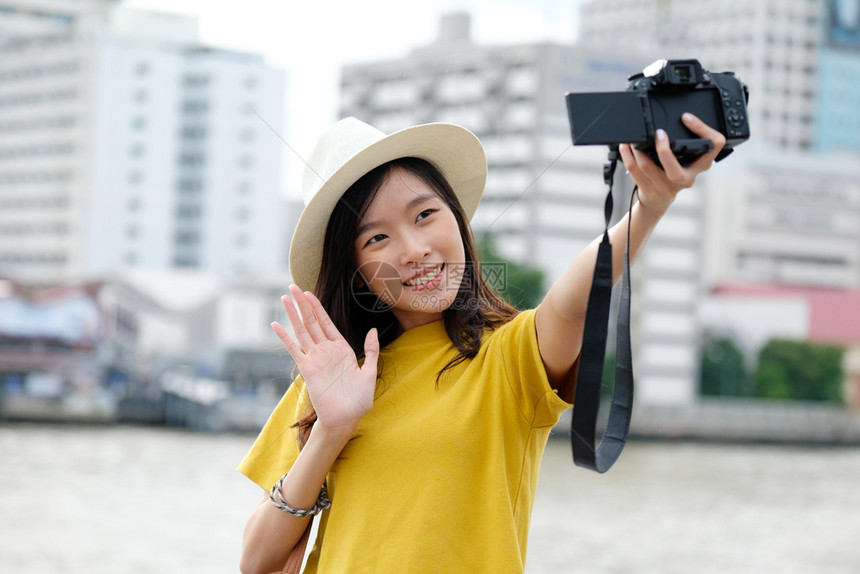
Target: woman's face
409	250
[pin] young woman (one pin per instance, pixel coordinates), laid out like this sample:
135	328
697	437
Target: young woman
424	402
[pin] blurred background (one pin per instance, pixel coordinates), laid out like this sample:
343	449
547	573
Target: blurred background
150	172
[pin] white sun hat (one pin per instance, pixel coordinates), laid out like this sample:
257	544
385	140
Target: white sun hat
349	149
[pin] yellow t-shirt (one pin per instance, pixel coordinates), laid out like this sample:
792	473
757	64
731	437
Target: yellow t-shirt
440	478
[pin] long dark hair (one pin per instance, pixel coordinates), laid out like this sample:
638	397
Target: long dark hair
355	310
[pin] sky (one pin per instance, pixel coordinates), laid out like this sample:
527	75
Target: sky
312	39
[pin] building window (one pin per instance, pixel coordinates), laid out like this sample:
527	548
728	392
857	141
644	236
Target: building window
137	150
195	106
193	132
190	185
195	80
187	238
138	123
188	211
192	159
186	261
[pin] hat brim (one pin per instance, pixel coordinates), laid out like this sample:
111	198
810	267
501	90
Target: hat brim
453	150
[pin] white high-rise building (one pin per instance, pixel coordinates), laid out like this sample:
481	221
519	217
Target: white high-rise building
27	18
123	141
543	200
790	221
772	45
783	219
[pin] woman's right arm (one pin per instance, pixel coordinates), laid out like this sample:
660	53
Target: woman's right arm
341	392
271	533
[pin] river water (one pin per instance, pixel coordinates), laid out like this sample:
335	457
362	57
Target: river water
149	500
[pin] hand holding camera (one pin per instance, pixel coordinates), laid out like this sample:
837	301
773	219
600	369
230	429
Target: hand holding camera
659	186
656	99
664	115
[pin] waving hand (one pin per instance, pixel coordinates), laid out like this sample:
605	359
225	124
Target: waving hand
340	389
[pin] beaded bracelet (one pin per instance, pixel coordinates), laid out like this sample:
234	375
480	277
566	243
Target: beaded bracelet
323	501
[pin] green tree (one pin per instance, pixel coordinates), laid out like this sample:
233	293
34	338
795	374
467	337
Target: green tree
723	372
799	370
519	284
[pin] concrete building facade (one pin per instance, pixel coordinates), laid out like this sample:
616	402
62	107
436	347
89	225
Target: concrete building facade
782	213
123	142
775	46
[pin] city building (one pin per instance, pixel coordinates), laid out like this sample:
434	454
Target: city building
22	18
124	142
544	198
801	58
784	219
783	251
786	211
782	214
838	120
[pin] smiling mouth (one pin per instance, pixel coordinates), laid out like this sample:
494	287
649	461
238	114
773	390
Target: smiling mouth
425	277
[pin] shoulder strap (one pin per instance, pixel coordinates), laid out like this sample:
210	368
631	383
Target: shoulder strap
592	355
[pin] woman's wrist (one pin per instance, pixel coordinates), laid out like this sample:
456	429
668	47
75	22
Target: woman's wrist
335	436
300	487
653	213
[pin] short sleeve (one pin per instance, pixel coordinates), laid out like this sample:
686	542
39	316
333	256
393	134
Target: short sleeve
277	447
516	343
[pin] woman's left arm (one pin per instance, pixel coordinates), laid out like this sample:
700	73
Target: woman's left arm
561	316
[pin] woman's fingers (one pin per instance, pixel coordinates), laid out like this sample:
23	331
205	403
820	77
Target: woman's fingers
638	164
326	324
301	333
371	350
643	170
705	131
292	348
310	328
675	172
309	321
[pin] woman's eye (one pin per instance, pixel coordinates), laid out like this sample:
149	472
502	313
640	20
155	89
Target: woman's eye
425	213
375	238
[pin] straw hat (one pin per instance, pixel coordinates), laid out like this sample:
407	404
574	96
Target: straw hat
349	149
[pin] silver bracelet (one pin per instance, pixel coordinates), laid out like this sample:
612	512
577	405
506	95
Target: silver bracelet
323	501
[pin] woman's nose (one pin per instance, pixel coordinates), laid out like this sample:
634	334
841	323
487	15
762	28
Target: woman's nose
415	249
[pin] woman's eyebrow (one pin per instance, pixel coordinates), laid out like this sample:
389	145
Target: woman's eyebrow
417	200
364	227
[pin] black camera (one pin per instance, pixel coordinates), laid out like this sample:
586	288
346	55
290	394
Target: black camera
656	98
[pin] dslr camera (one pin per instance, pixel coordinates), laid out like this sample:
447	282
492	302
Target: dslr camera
656	98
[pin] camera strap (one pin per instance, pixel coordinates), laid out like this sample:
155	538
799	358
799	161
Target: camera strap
591	362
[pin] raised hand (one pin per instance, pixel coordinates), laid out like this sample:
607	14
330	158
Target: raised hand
658	187
341	391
